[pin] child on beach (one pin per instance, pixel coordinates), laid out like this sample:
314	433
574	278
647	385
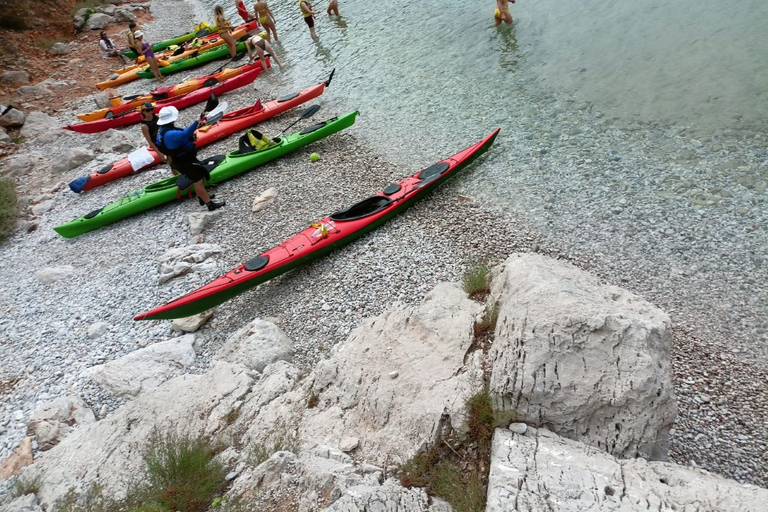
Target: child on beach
309	16
333	7
266	18
224	27
502	12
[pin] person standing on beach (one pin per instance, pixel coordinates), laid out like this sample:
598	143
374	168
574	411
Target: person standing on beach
309	16
333	7
266	18
258	45
132	37
145	50
180	145
224	27
502	12
242	11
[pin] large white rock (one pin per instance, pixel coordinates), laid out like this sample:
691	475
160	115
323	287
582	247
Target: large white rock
144	369
590	362
24	503
71	159
14	78
264	199
183	260
37	123
98	21
191	323
109	451
426	345
52	422
198	221
12	118
21	164
257	345
390	497
53	274
543	472
114	141
35	90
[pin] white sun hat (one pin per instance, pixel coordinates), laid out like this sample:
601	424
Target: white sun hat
139	34
168	115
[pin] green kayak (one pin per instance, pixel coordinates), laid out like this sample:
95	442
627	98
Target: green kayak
162	45
221	168
219	52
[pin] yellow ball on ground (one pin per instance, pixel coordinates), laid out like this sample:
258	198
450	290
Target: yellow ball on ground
314	157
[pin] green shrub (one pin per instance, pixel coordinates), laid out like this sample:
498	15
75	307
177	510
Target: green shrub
9	208
477	281
25	484
480	418
181	472
465	492
12	22
45	43
282	441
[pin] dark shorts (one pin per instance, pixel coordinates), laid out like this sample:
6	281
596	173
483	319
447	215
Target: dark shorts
310	21
195	172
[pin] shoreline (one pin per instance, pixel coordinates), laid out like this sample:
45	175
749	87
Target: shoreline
438	251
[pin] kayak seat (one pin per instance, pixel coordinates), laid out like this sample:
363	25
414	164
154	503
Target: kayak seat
92	214
289	97
433	170
244	145
211	162
310	129
160	92
362	209
105	169
391	189
257	263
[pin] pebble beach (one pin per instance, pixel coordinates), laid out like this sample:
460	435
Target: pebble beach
720	371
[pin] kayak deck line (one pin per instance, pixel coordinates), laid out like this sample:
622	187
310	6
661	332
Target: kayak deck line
321	237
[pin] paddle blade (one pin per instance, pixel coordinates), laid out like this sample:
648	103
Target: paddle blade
310	112
212	102
215	115
239	55
328	82
78	184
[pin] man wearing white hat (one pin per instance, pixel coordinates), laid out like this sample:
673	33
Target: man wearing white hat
180	146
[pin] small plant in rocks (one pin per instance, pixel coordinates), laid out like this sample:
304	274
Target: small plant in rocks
477	281
9	209
282	441
26	484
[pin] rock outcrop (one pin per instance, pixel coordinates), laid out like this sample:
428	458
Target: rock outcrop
52	422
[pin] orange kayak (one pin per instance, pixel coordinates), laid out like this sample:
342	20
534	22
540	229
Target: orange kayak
163	93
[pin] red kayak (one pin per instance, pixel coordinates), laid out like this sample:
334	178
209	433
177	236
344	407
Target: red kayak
229	124
179	102
322	237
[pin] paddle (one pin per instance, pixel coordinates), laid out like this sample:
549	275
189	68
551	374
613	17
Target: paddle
215	115
238	56
306	115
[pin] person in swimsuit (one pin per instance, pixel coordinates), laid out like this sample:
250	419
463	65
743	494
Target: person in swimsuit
502	12
258	45
242	11
333	7
149	129
266	18
224	27
145	50
309	16
132	37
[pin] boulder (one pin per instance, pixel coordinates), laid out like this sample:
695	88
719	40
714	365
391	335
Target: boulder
114	141
98	21
19	459
124	16
102	98
591	362
198	221
388	497
4	137
42	207
24	503
52	422
191	323
71	158
53	274
184	260
97	330
257	345
22	164
541	472
265	199
15	78
12	118
56	84
60	49
144	369
109	451
37	123
35	90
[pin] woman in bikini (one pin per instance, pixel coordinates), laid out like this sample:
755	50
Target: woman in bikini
145	49
259	46
502	12
266	18
225	27
333	7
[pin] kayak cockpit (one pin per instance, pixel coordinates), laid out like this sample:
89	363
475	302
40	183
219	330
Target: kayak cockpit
257	263
362	209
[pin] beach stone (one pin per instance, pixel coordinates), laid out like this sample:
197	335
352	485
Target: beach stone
25	503
37	123
102	98
590	361
12	118
35	90
98	21
124	16
114	141
184	260
42	207
70	159
265	199
348	444
144	369
518	428
53	274
97	330
191	323
4	137
257	345
198	221
15	78
60	49
19	459
576	476
52	422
